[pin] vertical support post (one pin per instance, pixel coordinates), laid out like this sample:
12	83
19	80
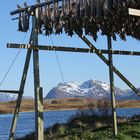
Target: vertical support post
39	129
112	92
40	114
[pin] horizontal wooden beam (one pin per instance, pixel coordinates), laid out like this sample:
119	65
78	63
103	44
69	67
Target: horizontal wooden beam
10	91
134	12
71	49
32	7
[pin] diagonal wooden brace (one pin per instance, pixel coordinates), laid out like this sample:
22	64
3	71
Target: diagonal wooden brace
107	62
19	98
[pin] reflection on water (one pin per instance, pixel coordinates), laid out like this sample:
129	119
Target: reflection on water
26	120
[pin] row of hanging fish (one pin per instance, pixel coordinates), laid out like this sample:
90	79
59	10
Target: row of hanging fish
88	17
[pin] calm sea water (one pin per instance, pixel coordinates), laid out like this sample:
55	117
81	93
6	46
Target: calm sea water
26	120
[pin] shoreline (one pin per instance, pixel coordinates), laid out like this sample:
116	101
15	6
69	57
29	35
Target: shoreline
64	104
101	130
53	110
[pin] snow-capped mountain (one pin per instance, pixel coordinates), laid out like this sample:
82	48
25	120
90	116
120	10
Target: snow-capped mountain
133	96
88	89
5	97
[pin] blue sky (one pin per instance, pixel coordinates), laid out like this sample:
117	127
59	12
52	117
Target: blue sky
75	66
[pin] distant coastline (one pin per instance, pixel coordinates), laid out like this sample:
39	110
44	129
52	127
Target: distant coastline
63	104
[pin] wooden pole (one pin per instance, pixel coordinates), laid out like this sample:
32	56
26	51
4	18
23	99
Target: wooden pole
112	92
19	99
103	58
32	7
21	89
134	12
10	91
39	130
72	49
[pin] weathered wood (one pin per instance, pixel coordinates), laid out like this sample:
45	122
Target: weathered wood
112	90
40	113
39	128
107	62
134	12
19	98
32	7
72	49
10	91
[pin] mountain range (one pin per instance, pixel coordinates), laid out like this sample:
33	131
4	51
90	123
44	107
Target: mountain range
5	97
89	89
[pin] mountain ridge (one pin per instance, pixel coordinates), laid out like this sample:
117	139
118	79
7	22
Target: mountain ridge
7	97
88	89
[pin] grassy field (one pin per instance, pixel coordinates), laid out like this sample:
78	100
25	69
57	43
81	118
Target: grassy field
85	125
28	105
92	127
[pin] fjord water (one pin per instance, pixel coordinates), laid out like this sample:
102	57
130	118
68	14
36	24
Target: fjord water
26	120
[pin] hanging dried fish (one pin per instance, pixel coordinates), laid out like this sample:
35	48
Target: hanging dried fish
54	8
20	23
87	8
66	20
108	5
63	9
50	18
73	7
66	7
82	9
62	14
93	9
70	6
78	9
38	19
58	24
48	21
99	8
19	20
25	21
72	17
45	21
86	21
90	16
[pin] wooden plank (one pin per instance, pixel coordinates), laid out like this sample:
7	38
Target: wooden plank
39	127
10	91
112	91
19	99
72	49
32	7
133	12
103	58
40	113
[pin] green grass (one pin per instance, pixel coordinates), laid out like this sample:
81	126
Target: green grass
92	127
125	132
